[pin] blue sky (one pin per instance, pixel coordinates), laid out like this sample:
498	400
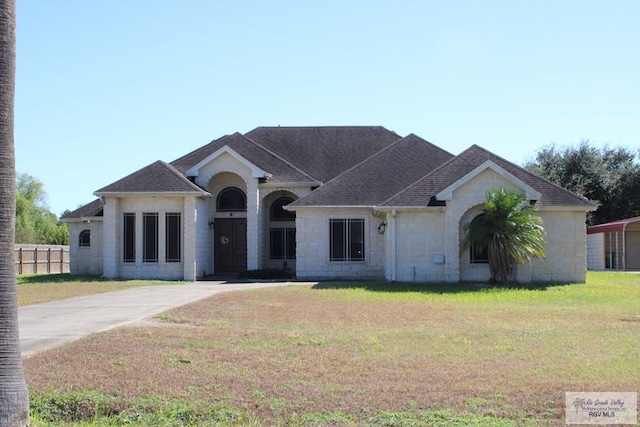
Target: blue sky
106	87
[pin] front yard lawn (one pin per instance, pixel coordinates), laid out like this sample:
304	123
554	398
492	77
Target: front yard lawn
353	354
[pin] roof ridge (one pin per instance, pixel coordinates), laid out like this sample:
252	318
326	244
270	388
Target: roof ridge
256	143
433	172
199	149
382	150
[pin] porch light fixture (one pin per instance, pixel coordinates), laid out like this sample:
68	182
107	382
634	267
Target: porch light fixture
382	228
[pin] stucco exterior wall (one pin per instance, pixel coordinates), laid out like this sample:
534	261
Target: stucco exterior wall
312	237
85	259
566	247
468	196
114	265
419	247
202	234
595	251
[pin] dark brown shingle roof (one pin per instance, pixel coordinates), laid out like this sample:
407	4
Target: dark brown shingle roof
324	152
280	170
422	192
158	177
91	209
381	176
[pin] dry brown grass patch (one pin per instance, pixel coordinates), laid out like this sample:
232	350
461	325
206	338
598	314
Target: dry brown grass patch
282	351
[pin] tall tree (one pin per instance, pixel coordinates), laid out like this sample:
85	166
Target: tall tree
509	230
14	396
34	222
608	176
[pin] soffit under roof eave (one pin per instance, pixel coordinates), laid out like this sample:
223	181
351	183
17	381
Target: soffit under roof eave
447	193
152	194
82	219
327	207
566	208
284	184
256	172
411	208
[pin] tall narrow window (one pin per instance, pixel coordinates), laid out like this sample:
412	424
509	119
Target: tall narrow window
282	236
129	237
346	239
85	238
478	255
150	237
173	233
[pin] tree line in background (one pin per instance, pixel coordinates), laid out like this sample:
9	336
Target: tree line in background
607	176
34	222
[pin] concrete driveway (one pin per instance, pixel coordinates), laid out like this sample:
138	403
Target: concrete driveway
47	325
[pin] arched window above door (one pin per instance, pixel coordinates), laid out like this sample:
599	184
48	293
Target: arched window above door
278	213
231	199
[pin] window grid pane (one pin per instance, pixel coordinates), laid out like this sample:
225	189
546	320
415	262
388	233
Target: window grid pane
150	237
346	239
173	241
129	237
282	243
85	238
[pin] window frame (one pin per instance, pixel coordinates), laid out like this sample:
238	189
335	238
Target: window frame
286	235
84	238
150	231
128	237
173	237
478	257
348	231
231	209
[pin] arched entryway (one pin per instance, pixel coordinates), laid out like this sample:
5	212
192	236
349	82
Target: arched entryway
228	223
230	233
279	248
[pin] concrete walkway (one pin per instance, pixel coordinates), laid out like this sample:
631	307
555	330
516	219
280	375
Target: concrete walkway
47	325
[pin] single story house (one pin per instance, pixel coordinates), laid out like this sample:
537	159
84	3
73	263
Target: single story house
614	245
354	202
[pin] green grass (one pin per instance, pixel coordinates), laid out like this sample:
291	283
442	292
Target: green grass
42	288
377	354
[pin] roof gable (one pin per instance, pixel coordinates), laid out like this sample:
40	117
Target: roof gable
256	171
259	159
158	177
425	191
447	193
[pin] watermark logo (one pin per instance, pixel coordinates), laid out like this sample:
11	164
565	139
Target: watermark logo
601	408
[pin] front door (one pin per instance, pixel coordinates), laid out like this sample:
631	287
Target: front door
230	247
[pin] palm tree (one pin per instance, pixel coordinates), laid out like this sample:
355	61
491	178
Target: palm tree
14	397
508	230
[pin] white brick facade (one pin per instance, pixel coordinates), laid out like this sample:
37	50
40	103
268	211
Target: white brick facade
401	242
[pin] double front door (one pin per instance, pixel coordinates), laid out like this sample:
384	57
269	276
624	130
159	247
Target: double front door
230	245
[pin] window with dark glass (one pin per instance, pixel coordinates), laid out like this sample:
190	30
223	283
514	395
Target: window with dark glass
231	199
129	237
478	255
283	243
173	241
278	213
282	239
346	240
85	238
150	237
